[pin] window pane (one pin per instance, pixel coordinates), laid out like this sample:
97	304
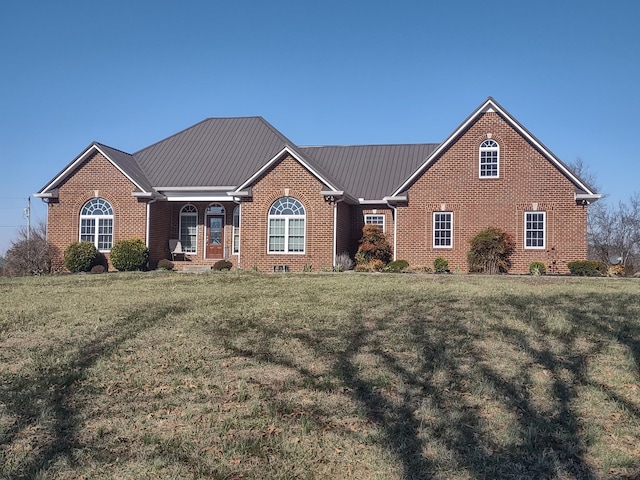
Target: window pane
188	232
276	234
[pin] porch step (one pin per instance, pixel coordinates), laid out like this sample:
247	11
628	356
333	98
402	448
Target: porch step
196	268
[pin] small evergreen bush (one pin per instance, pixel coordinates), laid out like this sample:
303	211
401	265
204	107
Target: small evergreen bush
490	251
221	265
81	257
441	265
165	264
129	255
396	266
537	268
587	268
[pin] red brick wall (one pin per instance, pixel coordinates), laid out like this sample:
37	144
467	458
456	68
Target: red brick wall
526	177
287	178
96	177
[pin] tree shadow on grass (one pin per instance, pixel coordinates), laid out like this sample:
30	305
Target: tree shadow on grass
45	399
451	375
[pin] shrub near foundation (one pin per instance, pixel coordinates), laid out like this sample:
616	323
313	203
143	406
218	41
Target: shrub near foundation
490	251
81	257
129	255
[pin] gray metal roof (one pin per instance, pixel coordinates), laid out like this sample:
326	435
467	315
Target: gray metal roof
370	171
214	152
128	165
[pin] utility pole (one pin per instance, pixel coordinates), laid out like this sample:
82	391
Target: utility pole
27	213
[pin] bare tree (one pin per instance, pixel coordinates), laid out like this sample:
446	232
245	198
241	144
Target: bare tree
30	253
614	232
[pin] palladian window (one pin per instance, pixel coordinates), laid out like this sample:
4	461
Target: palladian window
286	226
96	224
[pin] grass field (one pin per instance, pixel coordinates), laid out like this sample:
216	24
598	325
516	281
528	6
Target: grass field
228	376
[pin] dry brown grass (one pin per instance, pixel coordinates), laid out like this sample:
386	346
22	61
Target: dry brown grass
163	375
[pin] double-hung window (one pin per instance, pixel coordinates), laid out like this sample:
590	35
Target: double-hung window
374	219
534	230
442	229
489	159
189	228
96	224
286	234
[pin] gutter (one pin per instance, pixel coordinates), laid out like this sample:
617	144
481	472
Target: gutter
587	198
335	197
390	201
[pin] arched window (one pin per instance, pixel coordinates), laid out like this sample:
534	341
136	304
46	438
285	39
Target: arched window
189	228
489	159
96	223
286	226
236	229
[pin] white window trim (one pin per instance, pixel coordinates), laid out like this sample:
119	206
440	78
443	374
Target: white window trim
287	219
489	149
96	225
188	214
369	215
544	230
433	236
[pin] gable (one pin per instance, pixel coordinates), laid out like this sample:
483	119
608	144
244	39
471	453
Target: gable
490	106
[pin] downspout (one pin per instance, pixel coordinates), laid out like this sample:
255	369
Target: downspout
395	229
149	220
239	203
335	228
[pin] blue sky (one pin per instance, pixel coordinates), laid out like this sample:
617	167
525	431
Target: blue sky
130	73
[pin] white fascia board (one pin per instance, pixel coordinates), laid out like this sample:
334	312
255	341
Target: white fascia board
395	198
491	106
83	156
588	197
197	189
199	198
278	155
363	201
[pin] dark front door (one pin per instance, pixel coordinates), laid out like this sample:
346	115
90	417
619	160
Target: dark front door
215	236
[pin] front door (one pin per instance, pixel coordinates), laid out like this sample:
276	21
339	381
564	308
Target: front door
215	236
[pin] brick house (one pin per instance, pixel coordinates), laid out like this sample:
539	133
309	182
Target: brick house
236	188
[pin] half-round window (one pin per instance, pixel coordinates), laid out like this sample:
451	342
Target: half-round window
287	219
96	224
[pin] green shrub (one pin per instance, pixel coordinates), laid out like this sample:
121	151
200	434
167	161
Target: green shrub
81	257
537	268
490	251
373	246
396	266
588	268
165	264
441	265
129	255
221	265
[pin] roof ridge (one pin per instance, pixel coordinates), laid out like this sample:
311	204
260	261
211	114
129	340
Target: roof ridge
373	145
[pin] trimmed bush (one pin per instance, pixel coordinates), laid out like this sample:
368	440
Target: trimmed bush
396	266
98	269
587	268
490	251
374	265
441	265
537	268
222	265
81	257
129	255
165	264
